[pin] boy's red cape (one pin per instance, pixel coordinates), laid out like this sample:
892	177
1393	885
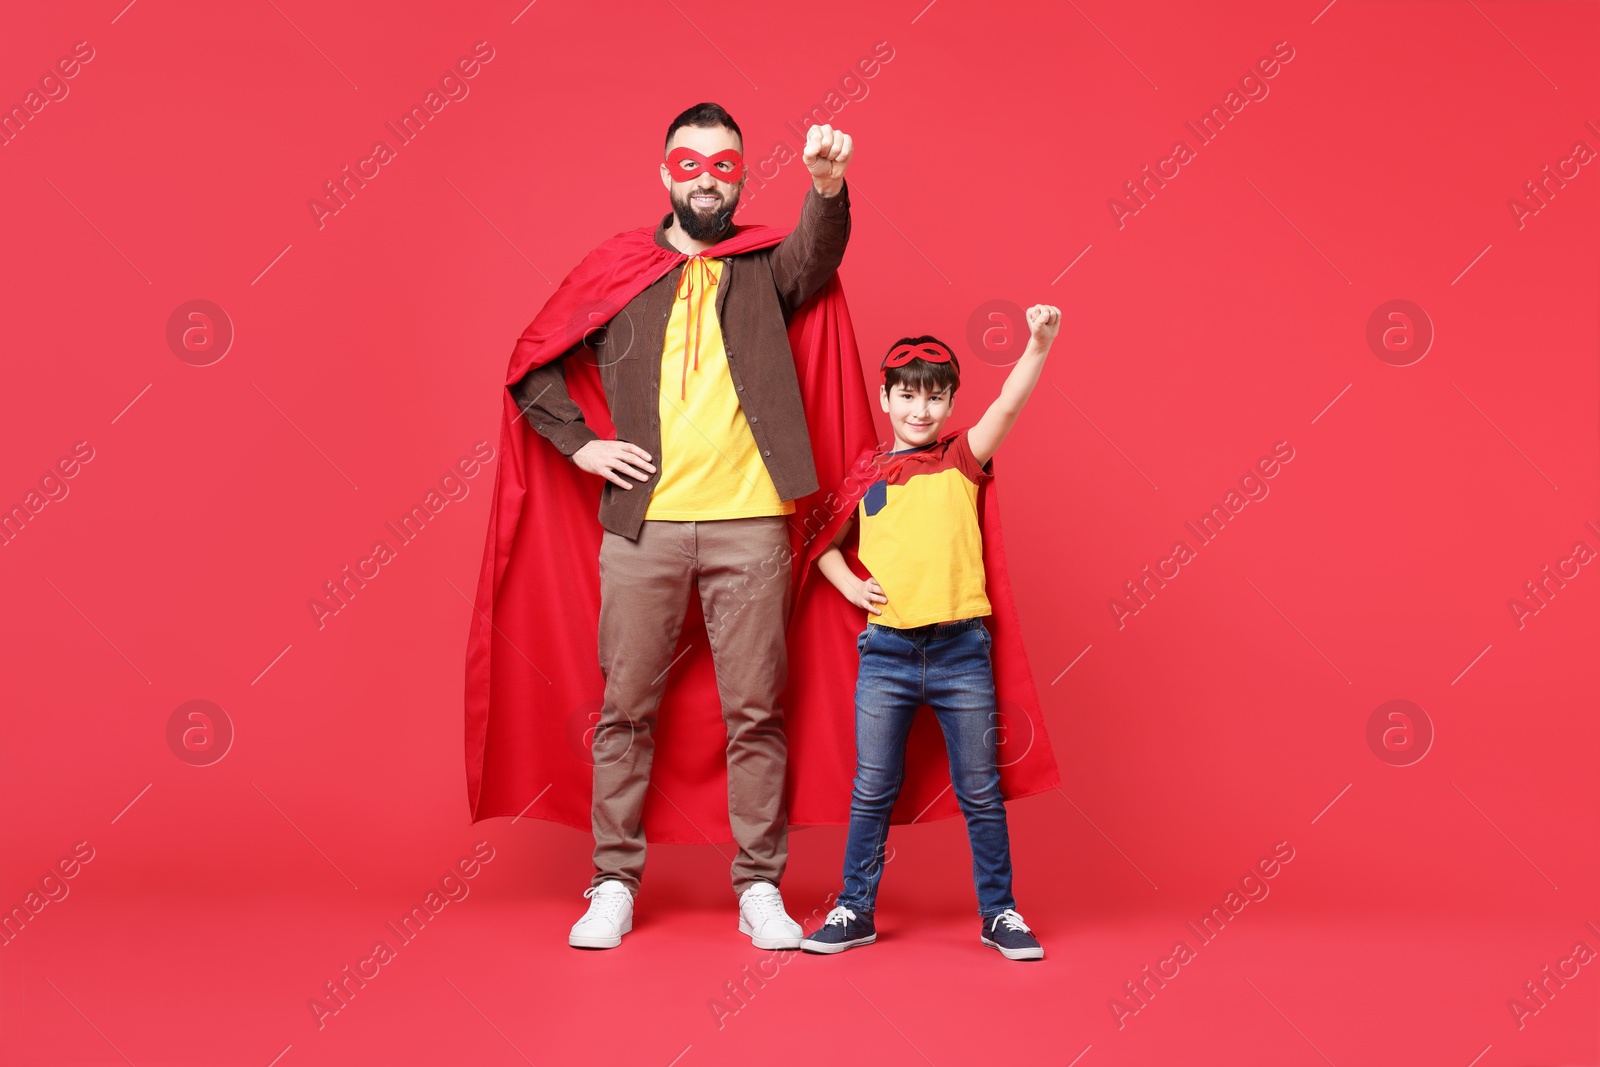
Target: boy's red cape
533	682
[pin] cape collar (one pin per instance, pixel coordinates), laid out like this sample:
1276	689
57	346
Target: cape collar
951	436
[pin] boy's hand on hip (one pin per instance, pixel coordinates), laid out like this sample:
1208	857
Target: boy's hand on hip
1044	322
607	458
869	594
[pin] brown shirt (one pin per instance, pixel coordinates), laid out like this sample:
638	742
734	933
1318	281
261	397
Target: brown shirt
758	293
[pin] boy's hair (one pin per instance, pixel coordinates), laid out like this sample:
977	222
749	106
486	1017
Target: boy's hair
704	116
920	374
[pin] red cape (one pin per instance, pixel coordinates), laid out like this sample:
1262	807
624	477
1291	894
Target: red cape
533	682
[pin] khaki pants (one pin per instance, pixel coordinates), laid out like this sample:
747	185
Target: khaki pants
740	568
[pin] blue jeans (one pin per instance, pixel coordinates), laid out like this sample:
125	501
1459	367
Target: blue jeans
947	667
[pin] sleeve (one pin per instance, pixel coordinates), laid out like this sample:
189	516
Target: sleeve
962	458
542	397
807	258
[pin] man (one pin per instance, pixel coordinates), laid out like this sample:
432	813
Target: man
711	452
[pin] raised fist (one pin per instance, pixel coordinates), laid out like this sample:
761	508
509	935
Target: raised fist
826	156
1044	322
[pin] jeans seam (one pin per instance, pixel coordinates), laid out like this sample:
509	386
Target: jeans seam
981	874
869	879
881	837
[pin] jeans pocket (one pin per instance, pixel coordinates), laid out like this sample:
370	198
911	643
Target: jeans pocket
861	641
988	639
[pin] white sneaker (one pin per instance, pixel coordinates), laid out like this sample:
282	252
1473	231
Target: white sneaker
761	915
610	915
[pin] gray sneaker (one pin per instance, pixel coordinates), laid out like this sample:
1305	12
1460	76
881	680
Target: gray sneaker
842	929
1011	936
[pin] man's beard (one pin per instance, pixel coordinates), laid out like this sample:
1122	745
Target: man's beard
703	227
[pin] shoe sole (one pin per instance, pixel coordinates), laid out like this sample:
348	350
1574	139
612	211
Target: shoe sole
767	942
596	941
828	948
1015	953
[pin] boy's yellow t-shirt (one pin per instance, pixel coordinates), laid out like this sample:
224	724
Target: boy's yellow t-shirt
919	534
710	465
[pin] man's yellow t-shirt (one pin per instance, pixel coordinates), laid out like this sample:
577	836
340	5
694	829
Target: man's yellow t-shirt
710	465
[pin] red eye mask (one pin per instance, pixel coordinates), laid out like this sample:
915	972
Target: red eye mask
900	355
686	165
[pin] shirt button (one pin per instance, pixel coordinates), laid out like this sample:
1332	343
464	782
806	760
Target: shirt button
754	419
766	452
740	387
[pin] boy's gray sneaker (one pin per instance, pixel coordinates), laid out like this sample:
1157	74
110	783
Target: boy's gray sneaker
1011	936
842	929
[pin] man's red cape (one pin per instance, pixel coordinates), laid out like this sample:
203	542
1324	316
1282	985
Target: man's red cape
533	682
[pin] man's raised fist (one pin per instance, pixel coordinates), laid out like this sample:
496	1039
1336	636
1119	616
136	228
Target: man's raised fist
826	156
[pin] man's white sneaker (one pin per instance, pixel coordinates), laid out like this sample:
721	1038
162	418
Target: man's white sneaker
610	915
761	915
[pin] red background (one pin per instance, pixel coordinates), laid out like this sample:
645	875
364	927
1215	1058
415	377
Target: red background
1225	316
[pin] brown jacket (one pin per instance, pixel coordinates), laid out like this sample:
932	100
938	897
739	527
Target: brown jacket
756	296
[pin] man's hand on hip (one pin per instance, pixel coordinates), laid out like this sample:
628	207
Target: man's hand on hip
607	458
826	156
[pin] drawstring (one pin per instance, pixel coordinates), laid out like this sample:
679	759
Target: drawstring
686	291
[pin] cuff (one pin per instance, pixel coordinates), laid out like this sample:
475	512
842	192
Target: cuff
837	204
570	437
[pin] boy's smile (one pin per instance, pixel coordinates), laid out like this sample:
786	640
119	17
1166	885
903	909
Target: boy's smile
916	415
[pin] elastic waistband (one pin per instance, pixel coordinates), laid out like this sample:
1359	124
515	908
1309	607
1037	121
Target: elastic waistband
934	629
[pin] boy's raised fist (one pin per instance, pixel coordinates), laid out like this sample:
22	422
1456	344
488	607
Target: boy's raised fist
1044	322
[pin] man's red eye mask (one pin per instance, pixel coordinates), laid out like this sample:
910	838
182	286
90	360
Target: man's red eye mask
682	163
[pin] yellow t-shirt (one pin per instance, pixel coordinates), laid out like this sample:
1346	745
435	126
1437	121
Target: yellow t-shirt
919	534
710	465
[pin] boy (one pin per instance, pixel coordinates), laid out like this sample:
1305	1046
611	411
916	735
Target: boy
925	641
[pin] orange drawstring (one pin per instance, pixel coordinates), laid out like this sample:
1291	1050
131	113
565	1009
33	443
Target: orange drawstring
686	291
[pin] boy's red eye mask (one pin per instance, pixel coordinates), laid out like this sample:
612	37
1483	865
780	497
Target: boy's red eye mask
686	164
900	355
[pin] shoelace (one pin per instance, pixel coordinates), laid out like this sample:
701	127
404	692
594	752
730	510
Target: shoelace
765	906
1012	920
606	904
839	916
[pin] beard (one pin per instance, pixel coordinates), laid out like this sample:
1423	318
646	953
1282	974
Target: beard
704	225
